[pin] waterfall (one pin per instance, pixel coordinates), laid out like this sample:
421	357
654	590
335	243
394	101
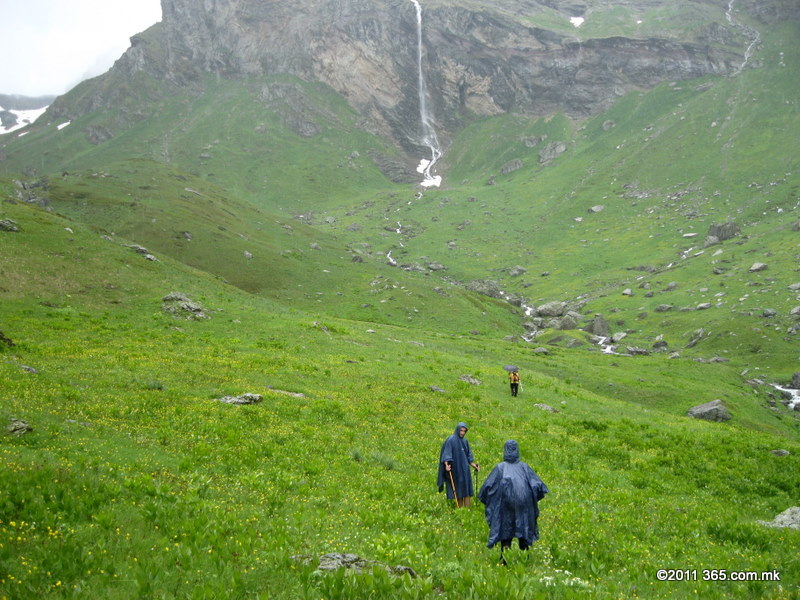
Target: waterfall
429	138
753	34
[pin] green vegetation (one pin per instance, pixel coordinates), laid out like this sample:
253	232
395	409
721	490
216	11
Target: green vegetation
137	482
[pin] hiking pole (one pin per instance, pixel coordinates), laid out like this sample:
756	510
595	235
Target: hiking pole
453	483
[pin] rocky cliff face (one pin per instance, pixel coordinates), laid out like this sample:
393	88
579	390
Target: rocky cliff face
480	58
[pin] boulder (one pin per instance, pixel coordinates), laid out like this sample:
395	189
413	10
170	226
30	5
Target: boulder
599	326
780	452
18	427
551	309
546	408
246	398
663	307
788	519
180	305
758	266
8	225
724	231
335	560
710	411
470	379
796	380
511	166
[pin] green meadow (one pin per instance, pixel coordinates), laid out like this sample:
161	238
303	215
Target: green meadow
137	482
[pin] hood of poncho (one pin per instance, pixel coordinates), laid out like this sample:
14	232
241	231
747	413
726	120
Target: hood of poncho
511	451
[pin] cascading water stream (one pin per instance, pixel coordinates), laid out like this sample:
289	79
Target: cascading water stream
429	138
753	34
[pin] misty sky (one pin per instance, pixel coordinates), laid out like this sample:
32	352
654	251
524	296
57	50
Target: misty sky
49	46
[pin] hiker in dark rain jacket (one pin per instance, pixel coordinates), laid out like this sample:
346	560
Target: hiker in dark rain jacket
456	459
511	494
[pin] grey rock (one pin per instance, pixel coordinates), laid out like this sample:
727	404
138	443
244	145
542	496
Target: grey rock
552	309
724	231
470	379
545	407
598	326
9	225
780	452
335	560
18	427
710	411
180	305
758	266
511	166
246	398
788	519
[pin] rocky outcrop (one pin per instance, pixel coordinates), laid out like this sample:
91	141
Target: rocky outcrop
479	60
710	411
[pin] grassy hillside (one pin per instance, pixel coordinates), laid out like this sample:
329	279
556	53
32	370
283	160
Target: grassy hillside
135	481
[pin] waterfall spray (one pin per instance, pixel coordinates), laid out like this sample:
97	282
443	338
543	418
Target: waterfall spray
429	138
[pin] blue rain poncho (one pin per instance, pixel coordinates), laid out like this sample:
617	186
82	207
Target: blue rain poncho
511	494
456	451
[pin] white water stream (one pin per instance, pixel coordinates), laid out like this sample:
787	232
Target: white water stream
795	401
429	138
753	34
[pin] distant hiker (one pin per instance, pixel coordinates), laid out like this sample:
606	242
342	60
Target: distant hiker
511	494
455	460
513	379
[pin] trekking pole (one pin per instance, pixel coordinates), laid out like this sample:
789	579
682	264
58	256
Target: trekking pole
453	483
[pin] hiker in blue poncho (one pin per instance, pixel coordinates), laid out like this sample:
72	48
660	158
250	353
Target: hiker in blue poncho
511	494
455	460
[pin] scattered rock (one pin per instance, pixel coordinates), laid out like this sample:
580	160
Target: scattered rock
18	427
780	452
180	305
541	350
704	306
248	255
552	151
599	326
511	166
9	225
788	519
769	312
724	231
627	292
437	389
334	561
663	308
486	287
545	407
759	266
710	411
470	379
596	209
551	309
246	398
517	271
